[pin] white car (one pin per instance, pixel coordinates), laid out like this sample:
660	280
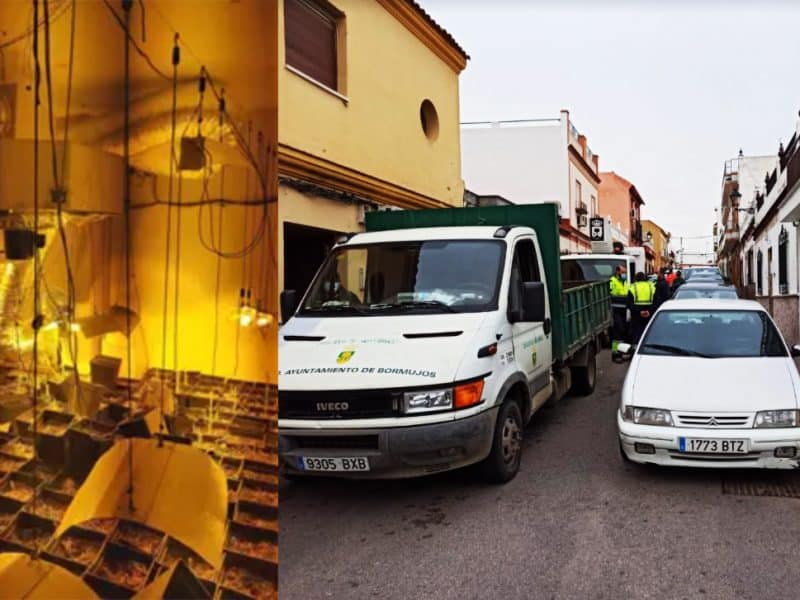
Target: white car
711	384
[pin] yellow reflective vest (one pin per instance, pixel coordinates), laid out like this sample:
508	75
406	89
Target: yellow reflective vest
618	287
643	292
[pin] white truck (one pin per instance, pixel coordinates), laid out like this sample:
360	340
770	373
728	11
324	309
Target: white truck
427	343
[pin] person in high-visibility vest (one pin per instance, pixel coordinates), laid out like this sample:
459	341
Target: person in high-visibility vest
640	302
619	288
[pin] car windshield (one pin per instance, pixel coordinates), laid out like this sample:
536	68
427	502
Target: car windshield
702	274
685	292
403	277
712	334
589	269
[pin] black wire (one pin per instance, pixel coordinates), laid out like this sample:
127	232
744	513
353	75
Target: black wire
59	192
216	303
36	299
29	32
136	46
177	283
126	6
174	116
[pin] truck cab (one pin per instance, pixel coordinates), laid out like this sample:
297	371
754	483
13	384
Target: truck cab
418	350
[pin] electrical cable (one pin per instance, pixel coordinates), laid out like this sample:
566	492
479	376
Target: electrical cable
126	7
176	304
36	299
136	46
59	190
176	59
29	32
216	302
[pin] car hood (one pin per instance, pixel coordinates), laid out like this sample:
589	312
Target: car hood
376	352
713	384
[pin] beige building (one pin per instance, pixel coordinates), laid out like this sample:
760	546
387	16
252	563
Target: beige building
369	119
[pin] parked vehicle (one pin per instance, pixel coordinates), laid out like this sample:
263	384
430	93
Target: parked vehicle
700	288
702	272
738	405
427	343
580	269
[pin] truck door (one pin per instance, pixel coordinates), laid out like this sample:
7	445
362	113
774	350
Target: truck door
532	344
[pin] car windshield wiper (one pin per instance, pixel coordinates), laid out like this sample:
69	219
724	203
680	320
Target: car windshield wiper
677	350
415	304
337	308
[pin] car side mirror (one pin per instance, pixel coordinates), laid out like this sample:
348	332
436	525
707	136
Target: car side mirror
288	304
796	351
533	302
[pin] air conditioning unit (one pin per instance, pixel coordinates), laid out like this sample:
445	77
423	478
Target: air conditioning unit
583	220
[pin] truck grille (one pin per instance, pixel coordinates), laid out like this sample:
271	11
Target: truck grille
713	421
325	442
338	404
750	456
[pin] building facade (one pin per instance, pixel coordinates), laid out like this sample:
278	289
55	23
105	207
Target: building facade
621	201
658	240
536	161
369	119
758	244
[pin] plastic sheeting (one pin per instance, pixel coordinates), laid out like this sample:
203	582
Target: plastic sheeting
177	489
23	577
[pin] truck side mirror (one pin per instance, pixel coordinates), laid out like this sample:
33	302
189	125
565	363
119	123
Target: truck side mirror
796	351
533	302
288	304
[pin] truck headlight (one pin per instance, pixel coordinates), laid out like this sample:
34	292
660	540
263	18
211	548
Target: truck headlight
647	416
421	401
776	418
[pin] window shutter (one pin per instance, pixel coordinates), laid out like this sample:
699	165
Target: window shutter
311	41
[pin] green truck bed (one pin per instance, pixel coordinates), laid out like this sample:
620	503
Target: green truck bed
578	313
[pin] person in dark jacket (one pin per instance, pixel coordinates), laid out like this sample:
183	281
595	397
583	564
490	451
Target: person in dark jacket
678	281
663	291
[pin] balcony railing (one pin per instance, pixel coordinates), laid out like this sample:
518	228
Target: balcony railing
581	208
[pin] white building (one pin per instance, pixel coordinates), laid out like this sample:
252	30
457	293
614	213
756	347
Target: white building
769	248
532	162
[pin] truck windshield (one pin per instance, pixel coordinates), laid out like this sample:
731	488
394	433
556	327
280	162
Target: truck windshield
589	269
403	277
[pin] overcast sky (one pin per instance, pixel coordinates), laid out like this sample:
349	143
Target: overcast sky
664	92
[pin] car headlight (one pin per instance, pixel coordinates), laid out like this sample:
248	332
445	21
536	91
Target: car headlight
421	401
647	416
461	396
776	418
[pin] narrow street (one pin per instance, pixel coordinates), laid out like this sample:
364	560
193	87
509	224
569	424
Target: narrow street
575	523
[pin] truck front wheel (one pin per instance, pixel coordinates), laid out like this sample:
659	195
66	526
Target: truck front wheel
584	378
503	461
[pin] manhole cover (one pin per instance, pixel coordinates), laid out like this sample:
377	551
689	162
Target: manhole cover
782	489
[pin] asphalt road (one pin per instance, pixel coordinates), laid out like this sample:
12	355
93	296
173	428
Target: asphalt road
575	523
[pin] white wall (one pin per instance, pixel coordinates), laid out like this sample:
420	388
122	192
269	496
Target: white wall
524	163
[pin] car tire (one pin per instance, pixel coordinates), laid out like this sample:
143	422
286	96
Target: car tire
502	464
585	378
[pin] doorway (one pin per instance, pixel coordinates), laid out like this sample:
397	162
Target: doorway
304	249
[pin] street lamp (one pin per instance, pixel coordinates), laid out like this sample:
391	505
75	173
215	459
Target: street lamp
735	197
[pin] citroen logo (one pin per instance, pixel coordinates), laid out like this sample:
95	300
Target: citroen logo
713	422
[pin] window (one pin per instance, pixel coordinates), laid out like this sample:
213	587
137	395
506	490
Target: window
429	120
783	267
524	269
578	193
311	40
759	269
750	267
594	205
